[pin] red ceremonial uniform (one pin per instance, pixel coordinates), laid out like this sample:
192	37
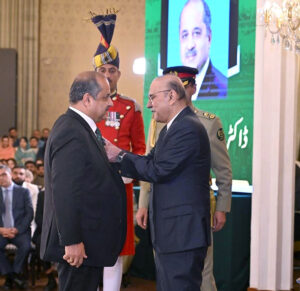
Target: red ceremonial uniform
124	127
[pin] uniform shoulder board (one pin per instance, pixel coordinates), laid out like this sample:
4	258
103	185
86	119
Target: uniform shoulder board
137	106
209	115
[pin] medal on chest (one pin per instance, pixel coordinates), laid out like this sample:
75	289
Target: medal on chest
113	119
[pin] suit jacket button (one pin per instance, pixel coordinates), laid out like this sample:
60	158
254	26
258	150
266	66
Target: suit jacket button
115	139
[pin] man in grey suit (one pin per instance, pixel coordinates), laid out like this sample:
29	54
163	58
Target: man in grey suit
178	166
16	214
84	223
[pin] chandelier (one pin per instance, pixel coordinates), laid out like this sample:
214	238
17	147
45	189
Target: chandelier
282	22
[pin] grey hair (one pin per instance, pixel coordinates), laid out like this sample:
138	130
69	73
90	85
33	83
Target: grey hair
82	86
5	168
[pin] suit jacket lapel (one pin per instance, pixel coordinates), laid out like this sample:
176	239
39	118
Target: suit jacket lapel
180	116
161	137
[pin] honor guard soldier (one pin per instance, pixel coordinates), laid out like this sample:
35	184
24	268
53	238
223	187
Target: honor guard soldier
123	127
220	165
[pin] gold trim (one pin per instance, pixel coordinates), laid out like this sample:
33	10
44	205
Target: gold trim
99	60
152	134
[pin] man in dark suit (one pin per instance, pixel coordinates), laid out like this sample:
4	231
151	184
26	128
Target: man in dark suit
195	40
178	166
16	214
84	224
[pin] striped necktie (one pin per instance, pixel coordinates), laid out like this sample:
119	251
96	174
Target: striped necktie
99	136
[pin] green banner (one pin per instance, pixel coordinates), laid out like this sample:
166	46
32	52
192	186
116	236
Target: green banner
236	110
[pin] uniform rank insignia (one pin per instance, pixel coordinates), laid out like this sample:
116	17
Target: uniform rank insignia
209	115
220	134
113	119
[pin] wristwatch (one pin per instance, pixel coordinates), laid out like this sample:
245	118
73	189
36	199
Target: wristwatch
120	156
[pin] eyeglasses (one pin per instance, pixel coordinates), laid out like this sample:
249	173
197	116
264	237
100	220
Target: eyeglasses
152	96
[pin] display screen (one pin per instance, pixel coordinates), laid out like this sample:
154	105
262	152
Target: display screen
218	40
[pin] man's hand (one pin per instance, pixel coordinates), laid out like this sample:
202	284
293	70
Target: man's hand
141	217
111	150
8	232
74	254
219	220
14	231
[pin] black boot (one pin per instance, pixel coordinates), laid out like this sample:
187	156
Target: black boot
51	285
125	280
19	281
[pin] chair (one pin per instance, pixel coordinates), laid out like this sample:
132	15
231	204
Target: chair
32	264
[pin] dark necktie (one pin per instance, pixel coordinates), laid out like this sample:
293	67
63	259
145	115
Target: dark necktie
7	219
161	136
99	136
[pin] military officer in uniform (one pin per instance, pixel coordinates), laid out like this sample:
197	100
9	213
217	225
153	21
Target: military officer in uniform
220	165
123	127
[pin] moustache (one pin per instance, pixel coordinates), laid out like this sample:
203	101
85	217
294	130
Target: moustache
191	53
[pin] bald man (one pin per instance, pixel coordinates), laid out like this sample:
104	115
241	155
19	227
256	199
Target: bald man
84	224
178	166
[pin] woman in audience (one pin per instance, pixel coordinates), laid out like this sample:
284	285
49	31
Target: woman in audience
23	153
11	163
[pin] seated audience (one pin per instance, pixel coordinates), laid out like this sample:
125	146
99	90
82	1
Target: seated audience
33	143
37	133
41	152
11	163
6	151
39	179
13	135
14	227
31	166
45	134
23	153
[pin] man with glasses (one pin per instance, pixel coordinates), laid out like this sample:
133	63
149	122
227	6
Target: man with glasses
220	165
179	167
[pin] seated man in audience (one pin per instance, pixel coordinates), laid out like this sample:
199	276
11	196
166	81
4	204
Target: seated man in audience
16	214
31	166
39	179
37	134
6	151
13	135
45	134
34	142
19	178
